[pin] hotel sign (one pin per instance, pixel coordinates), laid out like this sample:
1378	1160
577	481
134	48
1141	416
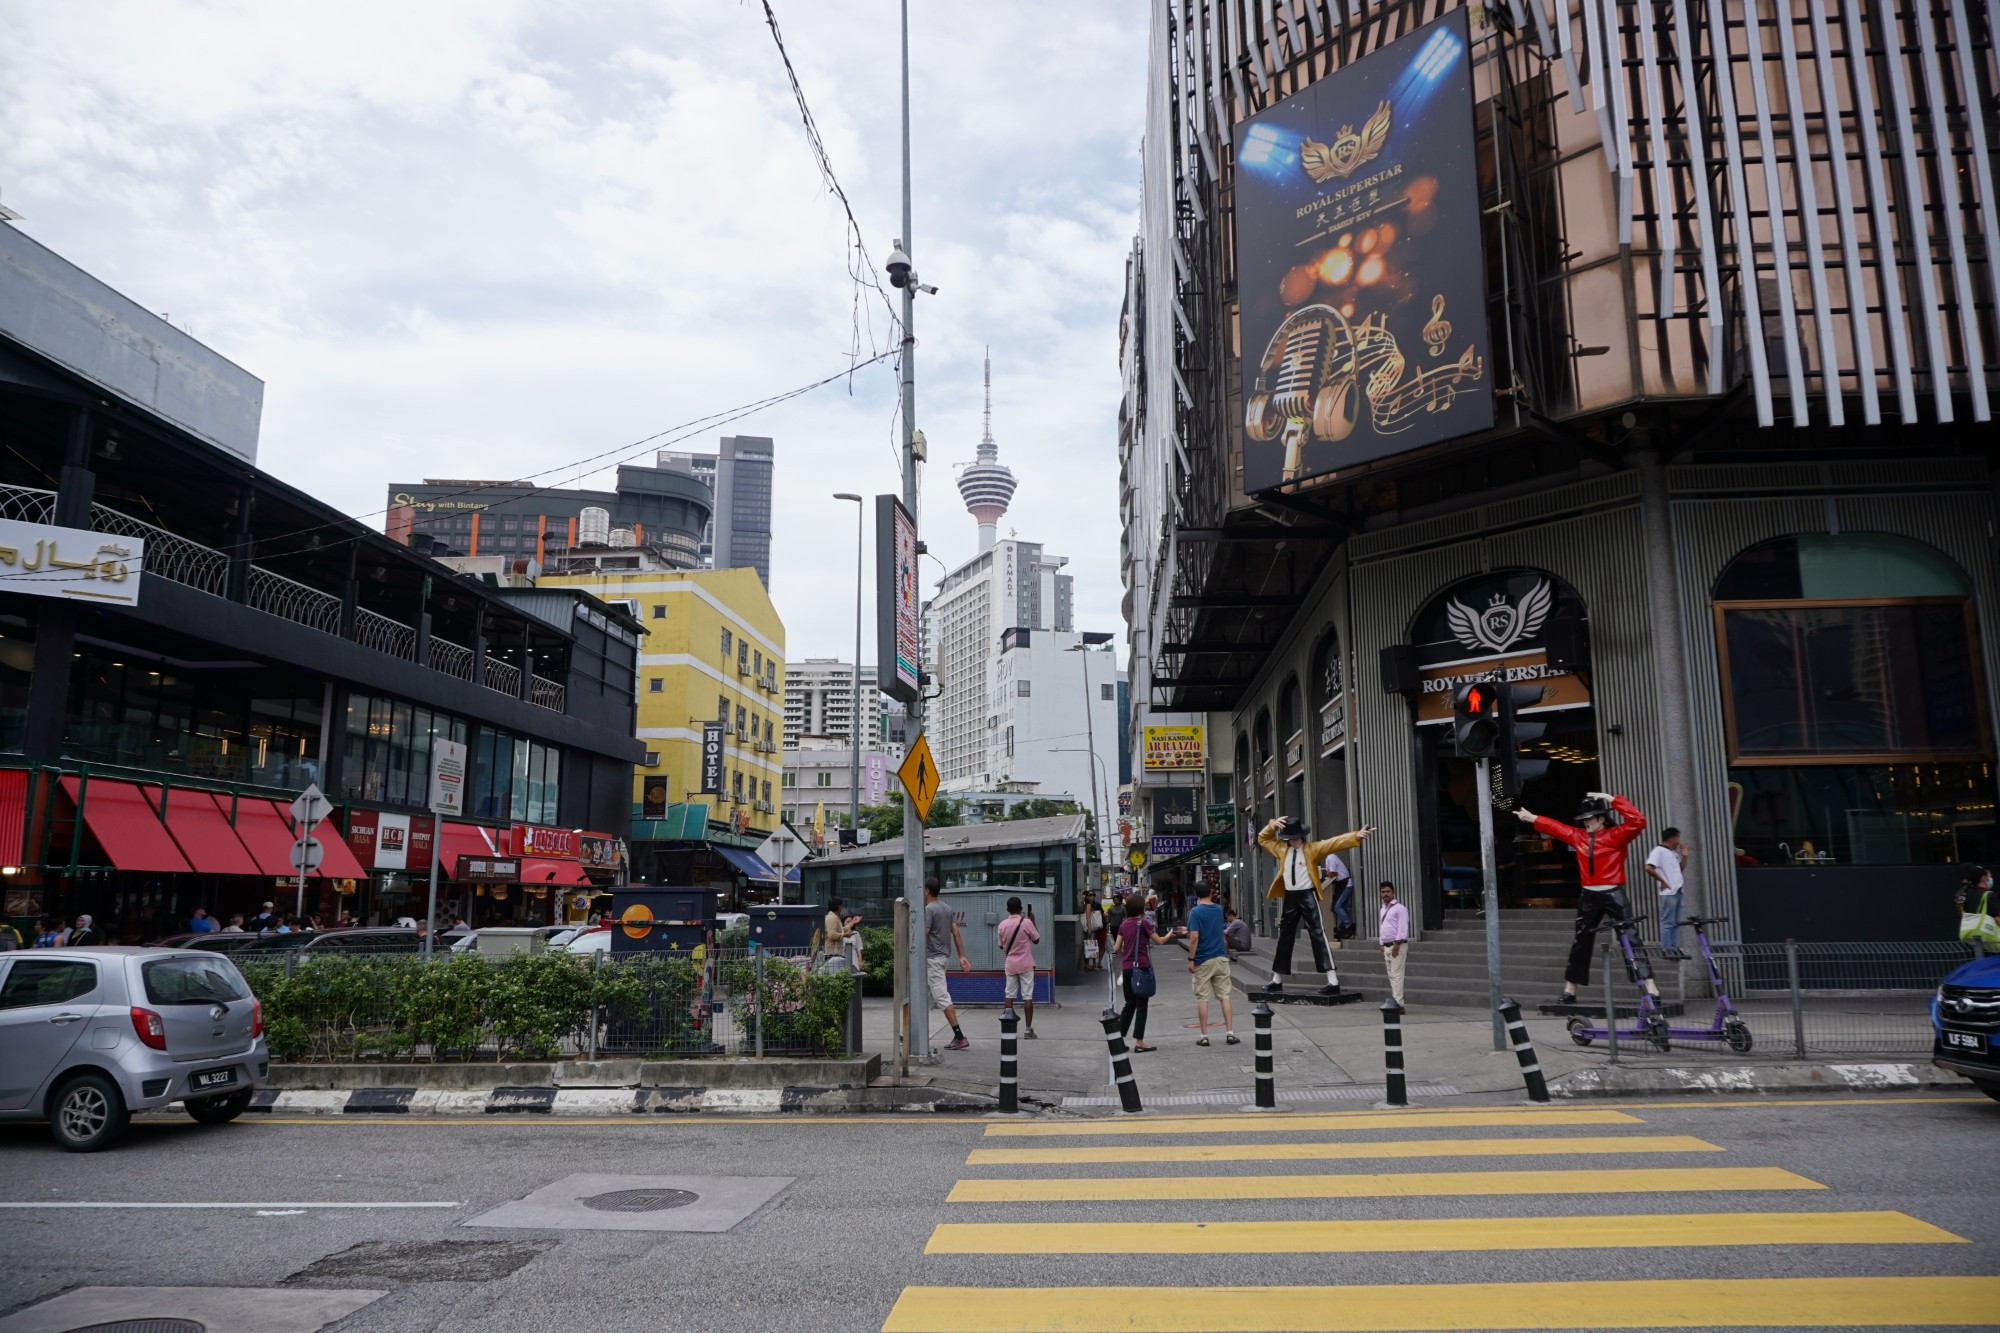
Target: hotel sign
43	560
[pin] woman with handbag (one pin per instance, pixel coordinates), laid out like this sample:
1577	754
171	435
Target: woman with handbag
1136	935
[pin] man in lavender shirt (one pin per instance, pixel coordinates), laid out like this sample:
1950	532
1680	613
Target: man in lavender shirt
1393	933
1018	937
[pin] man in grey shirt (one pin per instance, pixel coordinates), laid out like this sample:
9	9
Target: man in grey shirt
941	940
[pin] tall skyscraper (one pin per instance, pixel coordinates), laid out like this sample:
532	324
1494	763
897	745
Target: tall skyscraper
987	485
739	472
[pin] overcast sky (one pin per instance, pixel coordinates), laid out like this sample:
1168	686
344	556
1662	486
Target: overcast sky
487	238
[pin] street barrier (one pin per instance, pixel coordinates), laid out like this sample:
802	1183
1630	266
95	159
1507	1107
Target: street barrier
1392	1055
1121	1064
1009	1067
1267	1082
1524	1051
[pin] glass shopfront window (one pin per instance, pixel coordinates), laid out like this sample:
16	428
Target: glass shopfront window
1853	704
386	756
515	779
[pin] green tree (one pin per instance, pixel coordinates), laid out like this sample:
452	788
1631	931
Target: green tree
885	821
1041	807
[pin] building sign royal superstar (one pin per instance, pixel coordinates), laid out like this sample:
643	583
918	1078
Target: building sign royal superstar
1496	624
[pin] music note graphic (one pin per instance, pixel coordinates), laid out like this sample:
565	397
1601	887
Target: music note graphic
1438	332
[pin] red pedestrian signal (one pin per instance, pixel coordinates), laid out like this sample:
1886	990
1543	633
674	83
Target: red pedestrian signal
1475	721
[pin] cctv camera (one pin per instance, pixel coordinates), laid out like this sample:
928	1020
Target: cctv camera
899	265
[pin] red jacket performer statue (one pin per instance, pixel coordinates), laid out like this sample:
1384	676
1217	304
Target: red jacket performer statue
1599	844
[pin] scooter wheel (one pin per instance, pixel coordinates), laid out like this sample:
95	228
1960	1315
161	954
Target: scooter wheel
1579	1032
1738	1036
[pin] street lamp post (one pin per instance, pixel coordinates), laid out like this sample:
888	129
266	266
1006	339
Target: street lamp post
854	723
1097	769
1090	739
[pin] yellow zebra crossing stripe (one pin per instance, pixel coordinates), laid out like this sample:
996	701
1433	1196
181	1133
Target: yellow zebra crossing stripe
1619	1231
1409	1184
1791	1302
1324	1152
1292	1124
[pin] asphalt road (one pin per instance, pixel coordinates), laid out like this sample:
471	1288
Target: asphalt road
1810	1213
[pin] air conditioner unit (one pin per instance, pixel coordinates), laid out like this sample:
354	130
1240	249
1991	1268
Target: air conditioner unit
742	734
742	668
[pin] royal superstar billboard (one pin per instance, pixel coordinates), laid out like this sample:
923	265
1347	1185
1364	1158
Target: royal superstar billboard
1362	285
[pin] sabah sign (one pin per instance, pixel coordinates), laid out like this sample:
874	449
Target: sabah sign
919	776
1169	748
42	560
1359	264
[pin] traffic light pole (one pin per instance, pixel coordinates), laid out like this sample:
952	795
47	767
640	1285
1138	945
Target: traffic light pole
1489	870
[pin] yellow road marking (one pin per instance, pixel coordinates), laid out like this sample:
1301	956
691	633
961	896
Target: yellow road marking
514	1120
1288	1124
1395	1184
1374	1235
1324	1152
1784	1302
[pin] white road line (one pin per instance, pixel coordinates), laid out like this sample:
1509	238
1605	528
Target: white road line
229	1205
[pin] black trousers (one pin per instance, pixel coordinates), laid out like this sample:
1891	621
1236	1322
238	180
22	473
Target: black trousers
1593	909
1132	1019
1301	909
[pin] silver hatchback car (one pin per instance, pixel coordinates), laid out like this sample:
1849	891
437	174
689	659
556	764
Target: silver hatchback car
88	1036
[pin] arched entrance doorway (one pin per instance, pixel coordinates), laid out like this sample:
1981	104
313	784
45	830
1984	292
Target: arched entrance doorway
1500	623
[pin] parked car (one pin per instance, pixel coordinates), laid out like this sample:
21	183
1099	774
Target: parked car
239	942
595	939
88	1036
1965	1014
363	939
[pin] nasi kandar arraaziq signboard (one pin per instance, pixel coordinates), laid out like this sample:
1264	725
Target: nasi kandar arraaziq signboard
1359	266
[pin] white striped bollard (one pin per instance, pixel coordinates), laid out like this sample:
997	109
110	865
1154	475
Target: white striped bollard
1524	1051
1267	1081
1397	1093
1009	1066
1121	1063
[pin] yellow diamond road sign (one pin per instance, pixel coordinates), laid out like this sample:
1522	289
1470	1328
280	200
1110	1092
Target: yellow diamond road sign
920	776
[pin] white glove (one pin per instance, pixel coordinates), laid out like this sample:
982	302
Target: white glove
1525	816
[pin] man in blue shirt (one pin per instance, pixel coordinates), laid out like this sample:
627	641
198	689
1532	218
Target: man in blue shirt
201	923
1208	961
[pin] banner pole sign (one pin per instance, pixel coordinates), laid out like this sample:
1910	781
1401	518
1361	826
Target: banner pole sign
447	798
898	606
1359	264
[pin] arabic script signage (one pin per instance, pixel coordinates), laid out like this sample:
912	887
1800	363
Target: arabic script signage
46	561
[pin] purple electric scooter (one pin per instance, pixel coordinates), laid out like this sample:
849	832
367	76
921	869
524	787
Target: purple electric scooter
1727	1025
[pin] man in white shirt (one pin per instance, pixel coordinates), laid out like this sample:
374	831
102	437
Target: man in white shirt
1393	931
1340	885
1667	864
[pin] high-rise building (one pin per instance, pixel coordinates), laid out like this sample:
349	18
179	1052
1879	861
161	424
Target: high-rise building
739	472
819	697
661	510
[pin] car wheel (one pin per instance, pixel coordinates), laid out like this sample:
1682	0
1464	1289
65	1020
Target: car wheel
220	1110
88	1113
1990	1089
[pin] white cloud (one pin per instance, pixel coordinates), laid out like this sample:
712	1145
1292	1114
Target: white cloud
486	238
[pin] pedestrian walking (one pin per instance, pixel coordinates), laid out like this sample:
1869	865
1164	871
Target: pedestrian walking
83	934
833	937
50	934
1136	936
1340	884
266	919
1093	936
1299	884
1017	938
941	940
1600	846
1667	864
1392	930
1208	963
201	923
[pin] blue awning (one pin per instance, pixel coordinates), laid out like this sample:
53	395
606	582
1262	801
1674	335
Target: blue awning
753	865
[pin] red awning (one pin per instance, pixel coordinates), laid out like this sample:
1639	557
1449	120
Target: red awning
203	833
455	840
13	814
131	834
337	860
536	870
266	831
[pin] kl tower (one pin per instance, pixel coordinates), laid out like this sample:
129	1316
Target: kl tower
987	486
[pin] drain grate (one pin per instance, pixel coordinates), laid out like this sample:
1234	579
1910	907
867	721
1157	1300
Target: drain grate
640	1201
144	1326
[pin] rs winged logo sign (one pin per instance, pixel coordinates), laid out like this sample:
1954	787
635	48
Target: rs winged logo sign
1338	160
1502	624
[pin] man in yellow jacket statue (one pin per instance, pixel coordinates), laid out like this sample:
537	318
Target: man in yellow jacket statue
1298	884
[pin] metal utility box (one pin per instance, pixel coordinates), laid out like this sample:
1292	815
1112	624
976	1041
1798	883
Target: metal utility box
979	913
649	920
785	926
500	941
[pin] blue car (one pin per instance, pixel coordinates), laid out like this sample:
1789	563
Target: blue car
1965	1013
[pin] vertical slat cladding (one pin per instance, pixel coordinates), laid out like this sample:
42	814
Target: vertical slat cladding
1774	203
1621	120
1218	62
1704	211
1600	65
1914	217
1843	202
1568	55
1881	232
1947	207
1197	32
1746	257
1809	220
1663	171
1233	34
1982	161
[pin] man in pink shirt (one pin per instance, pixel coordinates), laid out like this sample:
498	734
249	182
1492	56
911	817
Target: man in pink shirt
1018	937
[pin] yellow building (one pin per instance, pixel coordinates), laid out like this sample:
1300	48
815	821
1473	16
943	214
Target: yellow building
714	650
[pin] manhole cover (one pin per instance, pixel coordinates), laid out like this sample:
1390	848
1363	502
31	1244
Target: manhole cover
144	1326
640	1201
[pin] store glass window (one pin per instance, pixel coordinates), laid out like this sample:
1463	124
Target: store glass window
386	750
1853	705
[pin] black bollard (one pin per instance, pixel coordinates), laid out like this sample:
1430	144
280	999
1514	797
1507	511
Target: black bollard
1267	1082
1121	1063
1524	1051
1009	1067
1392	1055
